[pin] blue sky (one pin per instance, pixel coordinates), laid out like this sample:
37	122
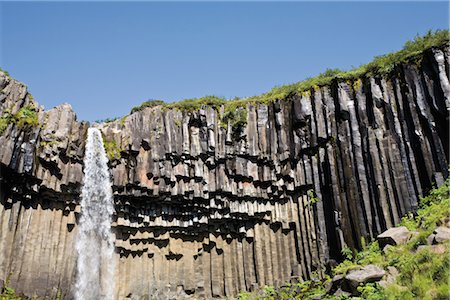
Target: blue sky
106	57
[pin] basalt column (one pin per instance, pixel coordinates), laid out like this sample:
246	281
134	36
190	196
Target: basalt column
204	209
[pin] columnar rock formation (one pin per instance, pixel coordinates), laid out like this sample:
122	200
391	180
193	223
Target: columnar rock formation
203	210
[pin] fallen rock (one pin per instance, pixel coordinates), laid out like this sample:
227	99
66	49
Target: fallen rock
369	273
394	236
387	247
340	293
334	284
430	239
390	277
442	234
438	249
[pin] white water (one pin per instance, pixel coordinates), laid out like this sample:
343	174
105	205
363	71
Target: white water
95	241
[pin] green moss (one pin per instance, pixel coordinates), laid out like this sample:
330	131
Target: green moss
237	118
25	118
5	120
312	197
122	121
380	66
423	274
7	292
112	149
196	103
178	122
149	103
6	72
47	143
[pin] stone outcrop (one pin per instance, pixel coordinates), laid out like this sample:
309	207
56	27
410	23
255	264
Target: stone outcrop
394	236
203	210
369	273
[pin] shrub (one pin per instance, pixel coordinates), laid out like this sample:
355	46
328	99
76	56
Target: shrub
111	148
149	103
25	118
196	103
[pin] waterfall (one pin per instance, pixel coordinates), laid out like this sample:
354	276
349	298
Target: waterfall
95	241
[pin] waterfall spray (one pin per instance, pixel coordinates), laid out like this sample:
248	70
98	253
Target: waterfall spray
95	241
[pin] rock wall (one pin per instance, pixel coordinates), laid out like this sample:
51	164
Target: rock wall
204	210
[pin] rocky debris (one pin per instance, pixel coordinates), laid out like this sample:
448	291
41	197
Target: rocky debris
369	273
203	211
438	249
390	277
394	236
341	293
441	234
347	285
334	284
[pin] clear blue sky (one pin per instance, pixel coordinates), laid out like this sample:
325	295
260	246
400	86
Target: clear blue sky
105	58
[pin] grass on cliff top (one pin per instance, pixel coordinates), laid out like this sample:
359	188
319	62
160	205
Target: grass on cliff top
380	66
6	72
423	274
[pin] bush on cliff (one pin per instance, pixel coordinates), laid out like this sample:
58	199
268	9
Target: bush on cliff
149	103
25	118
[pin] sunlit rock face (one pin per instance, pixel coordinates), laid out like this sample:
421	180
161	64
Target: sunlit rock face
203	211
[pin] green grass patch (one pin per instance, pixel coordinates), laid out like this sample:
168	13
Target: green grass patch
423	274
112	149
25	118
6	72
383	65
149	103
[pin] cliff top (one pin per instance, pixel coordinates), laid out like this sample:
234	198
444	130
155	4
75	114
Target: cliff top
380	66
383	65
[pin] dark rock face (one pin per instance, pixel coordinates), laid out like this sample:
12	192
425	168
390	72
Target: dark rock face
202	211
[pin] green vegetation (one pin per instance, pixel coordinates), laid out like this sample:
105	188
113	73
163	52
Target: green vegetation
312	197
107	120
25	118
149	103
237	119
196	103
235	109
6	72
111	148
47	143
381	65
423	274
7	292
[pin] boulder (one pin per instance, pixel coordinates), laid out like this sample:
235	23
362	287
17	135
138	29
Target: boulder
387	247
390	277
438	249
442	234
430	239
334	284
394	236
342	293
369	273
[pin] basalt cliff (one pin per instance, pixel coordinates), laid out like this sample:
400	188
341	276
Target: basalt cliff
203	210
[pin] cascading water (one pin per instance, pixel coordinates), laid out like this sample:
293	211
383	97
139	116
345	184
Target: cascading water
95	241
